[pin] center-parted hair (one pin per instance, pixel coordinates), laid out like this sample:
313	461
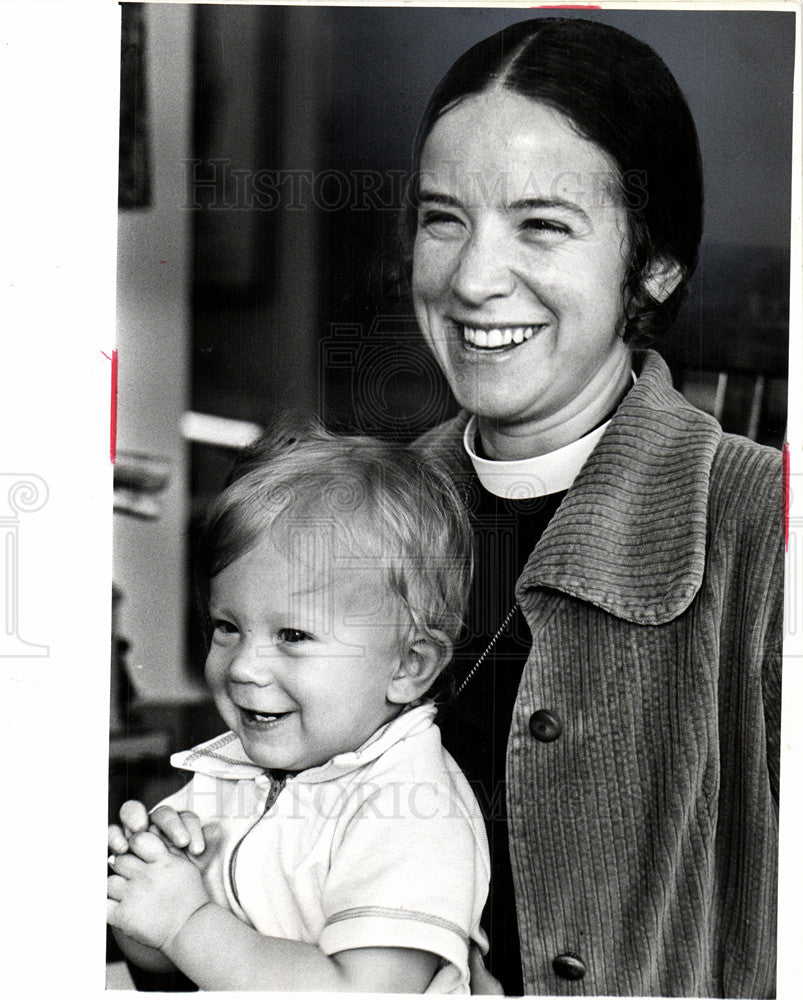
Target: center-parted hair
382	502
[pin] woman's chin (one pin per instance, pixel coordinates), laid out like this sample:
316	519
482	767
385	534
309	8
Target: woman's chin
487	403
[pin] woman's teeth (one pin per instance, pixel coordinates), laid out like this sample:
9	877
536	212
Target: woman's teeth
498	336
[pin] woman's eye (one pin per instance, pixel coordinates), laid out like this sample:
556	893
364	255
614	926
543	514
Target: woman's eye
293	635
223	627
439	223
546	227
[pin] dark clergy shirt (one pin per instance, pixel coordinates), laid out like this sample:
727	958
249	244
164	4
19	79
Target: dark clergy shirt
476	725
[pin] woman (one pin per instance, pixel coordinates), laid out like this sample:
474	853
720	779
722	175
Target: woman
620	715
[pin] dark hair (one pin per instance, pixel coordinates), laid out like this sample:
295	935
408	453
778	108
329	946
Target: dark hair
618	93
372	500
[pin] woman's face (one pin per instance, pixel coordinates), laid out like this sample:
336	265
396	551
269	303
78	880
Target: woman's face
519	262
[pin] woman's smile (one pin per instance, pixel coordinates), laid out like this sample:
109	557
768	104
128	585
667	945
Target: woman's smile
497	338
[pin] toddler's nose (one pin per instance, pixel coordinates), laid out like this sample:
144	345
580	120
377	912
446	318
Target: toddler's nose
254	663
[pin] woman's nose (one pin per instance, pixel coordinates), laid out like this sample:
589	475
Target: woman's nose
483	270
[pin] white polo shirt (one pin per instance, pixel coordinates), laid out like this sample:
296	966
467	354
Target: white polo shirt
384	846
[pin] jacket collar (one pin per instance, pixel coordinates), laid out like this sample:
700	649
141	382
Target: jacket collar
224	756
630	535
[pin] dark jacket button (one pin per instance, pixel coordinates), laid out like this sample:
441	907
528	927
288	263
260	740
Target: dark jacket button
569	966
545	725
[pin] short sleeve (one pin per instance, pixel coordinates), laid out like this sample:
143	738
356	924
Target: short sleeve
410	870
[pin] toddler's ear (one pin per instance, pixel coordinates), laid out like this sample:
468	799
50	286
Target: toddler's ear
423	658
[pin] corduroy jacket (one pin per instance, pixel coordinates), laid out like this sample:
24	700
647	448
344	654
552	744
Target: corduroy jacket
644	836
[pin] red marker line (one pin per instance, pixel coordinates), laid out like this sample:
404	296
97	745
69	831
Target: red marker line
566	6
113	407
786	496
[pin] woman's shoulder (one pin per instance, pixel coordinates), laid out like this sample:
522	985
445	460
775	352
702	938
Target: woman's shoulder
746	502
744	478
747	474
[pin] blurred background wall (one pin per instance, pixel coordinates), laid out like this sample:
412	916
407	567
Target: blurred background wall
263	274
153	340
368	73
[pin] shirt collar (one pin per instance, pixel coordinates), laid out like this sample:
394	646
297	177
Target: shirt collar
224	756
531	477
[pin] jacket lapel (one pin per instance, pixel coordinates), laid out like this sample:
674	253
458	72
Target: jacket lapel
630	534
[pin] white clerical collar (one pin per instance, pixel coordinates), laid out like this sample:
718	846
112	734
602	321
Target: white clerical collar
531	477
524	478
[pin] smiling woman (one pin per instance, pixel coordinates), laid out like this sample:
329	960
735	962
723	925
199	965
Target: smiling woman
519	297
620	719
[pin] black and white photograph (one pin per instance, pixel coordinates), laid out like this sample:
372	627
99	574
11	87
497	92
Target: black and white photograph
426	463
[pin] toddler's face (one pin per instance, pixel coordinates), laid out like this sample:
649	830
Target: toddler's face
302	654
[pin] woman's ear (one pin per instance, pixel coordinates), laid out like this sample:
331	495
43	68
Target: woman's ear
661	278
423	658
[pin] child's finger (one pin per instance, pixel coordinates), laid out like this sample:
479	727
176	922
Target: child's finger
118	842
115	887
147	846
197	839
127	865
166	819
134	816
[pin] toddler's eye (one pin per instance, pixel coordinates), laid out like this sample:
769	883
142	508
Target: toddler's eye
223	627
293	635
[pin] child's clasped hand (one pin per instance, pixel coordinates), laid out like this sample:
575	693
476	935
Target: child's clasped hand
153	891
155	887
